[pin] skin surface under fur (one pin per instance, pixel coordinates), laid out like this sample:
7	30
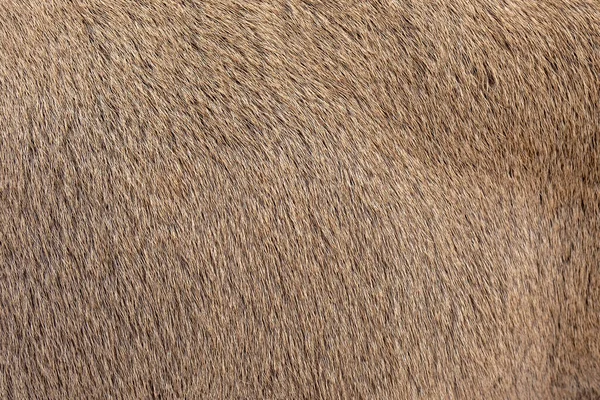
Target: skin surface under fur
300	199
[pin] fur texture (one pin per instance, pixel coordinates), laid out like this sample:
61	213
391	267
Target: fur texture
300	199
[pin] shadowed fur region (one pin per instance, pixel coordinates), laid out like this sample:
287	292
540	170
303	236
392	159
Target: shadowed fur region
300	199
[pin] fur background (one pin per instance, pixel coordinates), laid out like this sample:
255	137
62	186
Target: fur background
300	199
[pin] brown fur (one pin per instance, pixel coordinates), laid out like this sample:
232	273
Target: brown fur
300	199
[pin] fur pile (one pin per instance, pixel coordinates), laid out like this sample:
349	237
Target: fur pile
383	199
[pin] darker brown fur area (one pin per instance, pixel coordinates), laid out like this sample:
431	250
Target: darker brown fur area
299	199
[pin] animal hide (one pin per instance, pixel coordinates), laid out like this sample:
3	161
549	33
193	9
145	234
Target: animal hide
301	199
